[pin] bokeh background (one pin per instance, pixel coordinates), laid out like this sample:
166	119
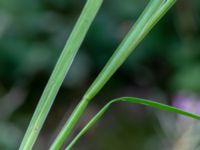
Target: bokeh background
165	68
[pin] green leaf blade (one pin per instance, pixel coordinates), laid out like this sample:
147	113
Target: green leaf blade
61	69
132	100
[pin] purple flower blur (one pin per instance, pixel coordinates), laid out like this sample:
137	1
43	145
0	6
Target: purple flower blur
187	101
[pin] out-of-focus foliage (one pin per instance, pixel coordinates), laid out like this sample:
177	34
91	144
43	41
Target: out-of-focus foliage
32	35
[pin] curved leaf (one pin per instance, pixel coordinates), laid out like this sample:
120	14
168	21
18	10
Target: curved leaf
134	101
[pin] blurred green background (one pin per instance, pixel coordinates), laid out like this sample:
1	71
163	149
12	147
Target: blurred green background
165	68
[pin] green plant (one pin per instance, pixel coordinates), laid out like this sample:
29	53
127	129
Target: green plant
155	10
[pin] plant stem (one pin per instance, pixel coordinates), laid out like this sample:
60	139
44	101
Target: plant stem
70	124
76	38
134	37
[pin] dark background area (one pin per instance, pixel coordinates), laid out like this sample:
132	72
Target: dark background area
165	68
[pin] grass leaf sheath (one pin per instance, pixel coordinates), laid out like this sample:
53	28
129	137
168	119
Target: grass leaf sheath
76	38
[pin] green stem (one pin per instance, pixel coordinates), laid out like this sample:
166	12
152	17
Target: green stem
69	125
148	19
76	38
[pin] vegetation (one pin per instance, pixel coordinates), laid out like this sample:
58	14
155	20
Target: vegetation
154	11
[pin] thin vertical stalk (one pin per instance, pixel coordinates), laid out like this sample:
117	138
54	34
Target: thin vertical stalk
76	38
133	38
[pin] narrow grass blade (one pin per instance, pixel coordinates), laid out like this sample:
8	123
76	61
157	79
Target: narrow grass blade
154	11
150	16
76	38
133	100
